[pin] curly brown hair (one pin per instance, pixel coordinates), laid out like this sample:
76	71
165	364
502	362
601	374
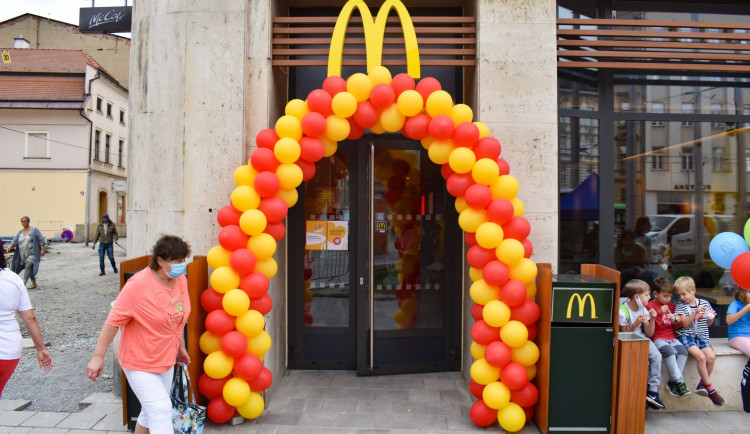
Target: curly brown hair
169	248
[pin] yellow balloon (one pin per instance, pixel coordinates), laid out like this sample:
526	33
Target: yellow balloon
514	333
337	128
235	302
518	207
236	391
209	342
485	172
308	294
461	113
253	407
250	323
470	219
244	175
482	292
496	313
460	204
218	257
525	271
475	274
439	103
489	235
289	195
268	267
223	279
380	74
360	86
496	395
530	372
262	245
289	126
462	160
484	373
440	151
426	142
290	175
296	108
218	365
287	150
527	354
253	221
259	344
245	197
329	146
410	102
477	350
511	417
344	104
531	290
391	119
510	251
483	130
506	187
377	128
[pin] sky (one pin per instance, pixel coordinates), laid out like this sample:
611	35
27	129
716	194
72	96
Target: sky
61	10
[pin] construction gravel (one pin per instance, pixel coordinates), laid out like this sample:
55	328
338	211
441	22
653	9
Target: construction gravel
71	303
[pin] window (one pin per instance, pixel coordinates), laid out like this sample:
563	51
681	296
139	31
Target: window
99	104
109	110
716	109
718	159
107	141
687	158
657	158
122	117
657	107
120	149
687	108
565	176
564	144
97	143
37	145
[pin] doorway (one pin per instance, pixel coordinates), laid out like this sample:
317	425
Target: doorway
102	204
374	263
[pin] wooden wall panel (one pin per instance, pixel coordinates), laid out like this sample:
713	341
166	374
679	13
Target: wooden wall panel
544	331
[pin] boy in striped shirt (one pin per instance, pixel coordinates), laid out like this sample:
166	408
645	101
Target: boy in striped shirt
696	316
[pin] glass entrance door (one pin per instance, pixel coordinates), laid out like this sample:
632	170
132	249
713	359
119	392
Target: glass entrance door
374	263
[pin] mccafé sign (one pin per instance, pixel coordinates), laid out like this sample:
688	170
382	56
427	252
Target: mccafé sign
582	305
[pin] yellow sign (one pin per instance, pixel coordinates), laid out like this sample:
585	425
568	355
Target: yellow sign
316	235
6	56
581	305
374	34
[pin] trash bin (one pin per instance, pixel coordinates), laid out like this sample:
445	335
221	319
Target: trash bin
581	354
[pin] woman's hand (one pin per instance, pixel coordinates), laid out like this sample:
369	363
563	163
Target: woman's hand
94	368
45	360
182	355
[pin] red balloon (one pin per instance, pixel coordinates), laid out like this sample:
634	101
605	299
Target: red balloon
334	84
266	184
496	273
366	114
382	96
504	166
478	256
262	304
219	411
446	171
529	412
514	376
242	261
417	126
263	159
476	389
355	130
266	138
219	322
276	229
426	86
262	381
307	274
483	333
234	344
228	215
313	124
513	293
458	183
211	300
247	366
232	238
400	167
517	228
255	284
528	248
274	208
320	101
478	196
532	330
466	135
487	147
311	149
740	270
470	238
527	312
481	414
497	354
402	82
476	311
211	387
396	183
500	211
526	396
441	127
308	169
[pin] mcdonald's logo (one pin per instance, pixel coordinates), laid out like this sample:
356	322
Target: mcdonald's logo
581	305
374	31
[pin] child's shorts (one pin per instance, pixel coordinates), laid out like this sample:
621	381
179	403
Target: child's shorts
693	340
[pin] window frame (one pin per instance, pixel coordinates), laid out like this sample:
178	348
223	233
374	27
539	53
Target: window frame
107	147
97	144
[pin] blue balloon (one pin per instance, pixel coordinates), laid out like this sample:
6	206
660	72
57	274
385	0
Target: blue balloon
726	246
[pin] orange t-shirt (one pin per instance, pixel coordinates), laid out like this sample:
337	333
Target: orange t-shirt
152	319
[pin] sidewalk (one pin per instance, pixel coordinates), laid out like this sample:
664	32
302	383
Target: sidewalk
340	402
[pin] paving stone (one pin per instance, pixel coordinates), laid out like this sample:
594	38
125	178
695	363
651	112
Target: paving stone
454	396
13	404
48	431
104	409
14	429
45	419
392	395
278	403
280	418
80	420
111	422
413	421
335	405
423	395
376	406
14	418
102	397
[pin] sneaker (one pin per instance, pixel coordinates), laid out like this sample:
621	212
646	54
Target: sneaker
682	389
672	388
716	398
653	400
700	389
102	273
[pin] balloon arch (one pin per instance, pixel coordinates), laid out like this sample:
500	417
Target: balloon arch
491	215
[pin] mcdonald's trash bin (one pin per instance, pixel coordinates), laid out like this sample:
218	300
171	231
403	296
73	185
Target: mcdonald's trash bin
581	354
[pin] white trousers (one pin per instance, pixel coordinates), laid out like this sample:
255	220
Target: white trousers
153	392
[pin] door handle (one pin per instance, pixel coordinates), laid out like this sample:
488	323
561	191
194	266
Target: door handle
361	280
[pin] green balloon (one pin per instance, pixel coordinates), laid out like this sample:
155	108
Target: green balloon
747	232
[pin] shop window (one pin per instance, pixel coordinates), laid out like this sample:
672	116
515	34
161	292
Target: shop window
37	145
97	144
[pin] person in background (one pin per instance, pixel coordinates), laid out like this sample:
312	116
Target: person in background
30	246
672	351
151	310
15	298
107	232
738	320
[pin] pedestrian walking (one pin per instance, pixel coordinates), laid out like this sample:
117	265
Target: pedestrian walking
107	233
30	246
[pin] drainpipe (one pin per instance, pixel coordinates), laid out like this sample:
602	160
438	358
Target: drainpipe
90	168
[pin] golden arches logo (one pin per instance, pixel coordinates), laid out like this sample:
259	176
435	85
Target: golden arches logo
581	305
374	31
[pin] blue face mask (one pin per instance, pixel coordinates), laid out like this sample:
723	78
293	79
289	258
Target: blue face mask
177	270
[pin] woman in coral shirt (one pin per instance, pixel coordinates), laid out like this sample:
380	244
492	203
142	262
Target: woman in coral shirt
151	310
